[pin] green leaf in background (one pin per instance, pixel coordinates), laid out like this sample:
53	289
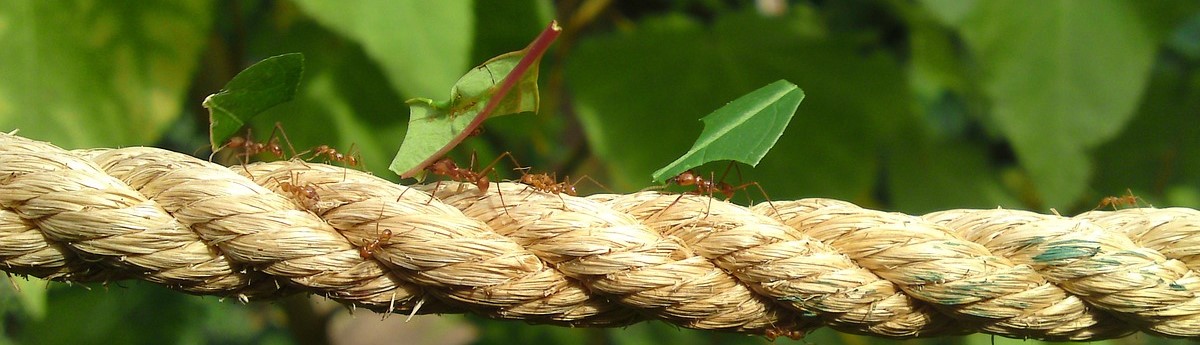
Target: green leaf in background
97	73
434	128
257	88
1062	77
831	151
743	130
423	46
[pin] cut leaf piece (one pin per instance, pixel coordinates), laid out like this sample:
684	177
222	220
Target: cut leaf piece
743	130
436	127
257	88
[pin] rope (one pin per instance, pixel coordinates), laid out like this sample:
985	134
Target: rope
265	230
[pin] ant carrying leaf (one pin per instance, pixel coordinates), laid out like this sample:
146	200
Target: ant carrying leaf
437	127
709	186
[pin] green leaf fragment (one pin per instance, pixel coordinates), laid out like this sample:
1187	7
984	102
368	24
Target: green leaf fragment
743	130
257	88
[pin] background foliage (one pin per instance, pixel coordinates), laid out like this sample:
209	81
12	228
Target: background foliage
912	106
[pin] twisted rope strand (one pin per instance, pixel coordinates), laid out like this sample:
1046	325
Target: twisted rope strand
264	230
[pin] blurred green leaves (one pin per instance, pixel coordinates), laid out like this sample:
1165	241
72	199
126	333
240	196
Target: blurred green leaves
422	48
97	73
686	69
1062	77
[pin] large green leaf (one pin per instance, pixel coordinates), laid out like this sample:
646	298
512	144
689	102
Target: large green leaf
743	130
1063	77
97	73
423	46
257	88
506	84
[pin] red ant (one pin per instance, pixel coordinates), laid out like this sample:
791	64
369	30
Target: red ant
710	186
548	183
446	167
350	158
1128	200
307	192
772	333
251	148
369	248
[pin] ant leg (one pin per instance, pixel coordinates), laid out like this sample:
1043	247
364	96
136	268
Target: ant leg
712	185
732	164
488	170
672	204
282	133
589	178
760	190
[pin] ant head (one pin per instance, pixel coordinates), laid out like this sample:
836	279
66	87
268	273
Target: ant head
687	178
442	167
236	142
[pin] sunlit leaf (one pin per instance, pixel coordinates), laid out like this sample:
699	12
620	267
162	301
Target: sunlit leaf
98	73
1062	77
257	88
421	45
743	130
506	84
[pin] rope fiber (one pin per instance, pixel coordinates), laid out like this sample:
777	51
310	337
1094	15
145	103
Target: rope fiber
266	230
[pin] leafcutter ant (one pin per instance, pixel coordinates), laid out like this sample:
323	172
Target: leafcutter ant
548	183
250	147
370	247
709	186
446	167
1127	200
307	192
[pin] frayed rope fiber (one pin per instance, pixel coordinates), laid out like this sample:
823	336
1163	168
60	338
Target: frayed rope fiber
782	269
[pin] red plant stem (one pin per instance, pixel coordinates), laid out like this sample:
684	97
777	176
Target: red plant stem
533	54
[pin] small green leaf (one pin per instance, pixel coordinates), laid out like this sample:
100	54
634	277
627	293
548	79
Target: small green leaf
436	127
743	130
257	88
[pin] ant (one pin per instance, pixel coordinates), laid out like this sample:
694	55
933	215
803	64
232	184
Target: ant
306	192
350	158
370	247
548	183
772	333
1128	200
710	186
446	167
251	148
